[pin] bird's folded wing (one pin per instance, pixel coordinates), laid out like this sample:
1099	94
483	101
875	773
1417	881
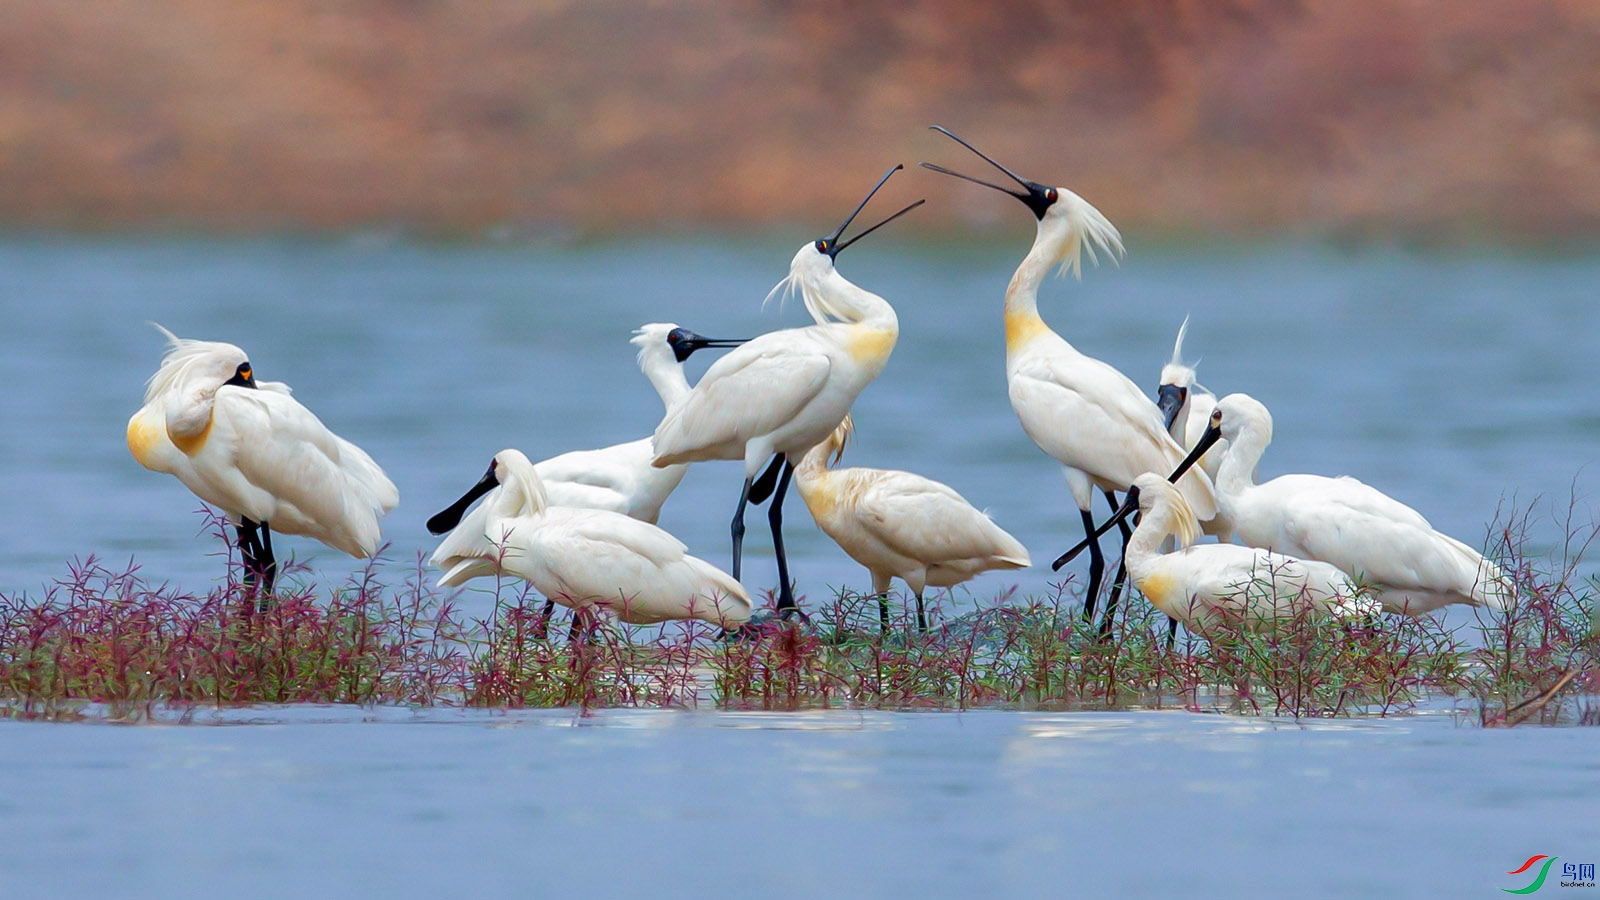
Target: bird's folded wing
605	533
924	519
1075	406
580	495
1092	417
1365	532
614	468
750	392
283	448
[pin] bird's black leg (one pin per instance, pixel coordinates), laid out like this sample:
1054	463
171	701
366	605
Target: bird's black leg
922	619
883	611
775	518
1172	632
738	529
762	487
1122	568
1097	568
247	553
269	564
541	630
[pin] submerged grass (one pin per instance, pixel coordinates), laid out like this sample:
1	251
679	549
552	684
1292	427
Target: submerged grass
104	642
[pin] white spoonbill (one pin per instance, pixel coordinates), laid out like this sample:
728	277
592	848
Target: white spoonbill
1385	545
585	559
620	477
1206	585
1082	412
783	392
251	450
1187	406
901	525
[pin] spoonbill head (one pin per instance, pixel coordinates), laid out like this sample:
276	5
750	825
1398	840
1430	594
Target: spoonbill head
1069	226
681	341
586	559
250	449
1173	393
781	393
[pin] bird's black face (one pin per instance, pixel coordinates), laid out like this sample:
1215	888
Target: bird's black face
1037	197
831	246
243	376
685	342
450	516
1170	398
1040	198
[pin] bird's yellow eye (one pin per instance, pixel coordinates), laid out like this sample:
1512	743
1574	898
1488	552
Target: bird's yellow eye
822	246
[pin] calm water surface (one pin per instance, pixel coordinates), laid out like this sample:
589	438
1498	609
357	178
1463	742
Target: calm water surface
333	803
1451	382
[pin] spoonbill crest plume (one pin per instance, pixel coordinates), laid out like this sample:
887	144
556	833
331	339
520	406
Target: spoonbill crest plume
591	560
1385	545
780	394
1185	403
901	525
1082	412
251	450
1203	586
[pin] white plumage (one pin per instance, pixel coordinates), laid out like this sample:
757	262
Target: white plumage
1203	586
1187	408
785	391
251	450
1382	543
619	478
583	558
782	393
1188	405
901	525
1082	412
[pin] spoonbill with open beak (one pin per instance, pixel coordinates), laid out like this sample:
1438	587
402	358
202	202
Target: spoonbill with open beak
1082	412
782	393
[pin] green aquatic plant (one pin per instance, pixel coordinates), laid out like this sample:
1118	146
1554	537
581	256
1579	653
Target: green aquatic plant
1540	659
104	642
103	635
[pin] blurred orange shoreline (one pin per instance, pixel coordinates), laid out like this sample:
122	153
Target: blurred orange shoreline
1438	121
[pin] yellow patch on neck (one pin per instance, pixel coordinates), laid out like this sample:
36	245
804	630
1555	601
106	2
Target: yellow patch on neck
193	443
872	345
1022	327
819	498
